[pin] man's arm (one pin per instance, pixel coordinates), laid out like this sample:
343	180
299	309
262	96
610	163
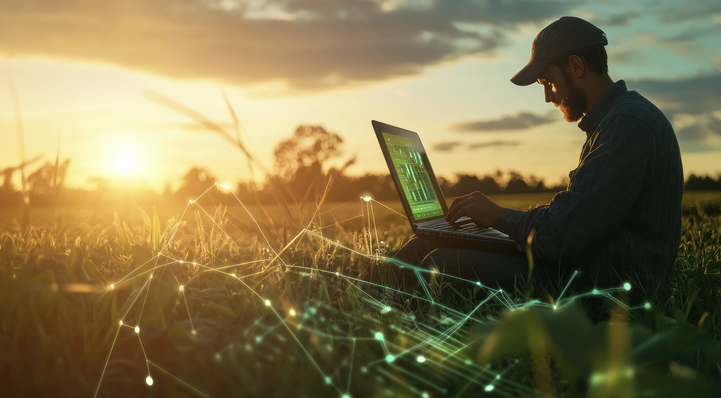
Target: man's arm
604	188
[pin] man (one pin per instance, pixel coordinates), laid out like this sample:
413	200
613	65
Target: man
619	219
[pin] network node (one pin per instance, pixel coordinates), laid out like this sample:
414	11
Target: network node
120	322
149	381
267	303
327	380
379	336
421	359
595	291
112	287
498	377
366	198
226	187
345	396
627	286
181	261
364	369
137	329
292	312
258	339
478	283
194	332
425	395
217	356
390	358
489	387
182	288
190	202
555	307
647	306
337	273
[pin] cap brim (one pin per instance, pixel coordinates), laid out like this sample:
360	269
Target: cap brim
529	73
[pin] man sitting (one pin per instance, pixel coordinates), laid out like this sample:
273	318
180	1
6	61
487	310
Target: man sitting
619	219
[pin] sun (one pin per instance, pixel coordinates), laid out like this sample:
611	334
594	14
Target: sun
126	161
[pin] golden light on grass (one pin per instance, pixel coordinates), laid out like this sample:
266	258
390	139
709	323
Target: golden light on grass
125	161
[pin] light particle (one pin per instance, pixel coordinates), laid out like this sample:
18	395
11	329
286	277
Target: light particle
364	369
390	358
182	288
112	287
489	387
137	329
647	306
120	322
379	336
337	274
478	283
194	332
267	303
421	359
292	312
181	261
217	356
595	291
627	286
149	381
327	380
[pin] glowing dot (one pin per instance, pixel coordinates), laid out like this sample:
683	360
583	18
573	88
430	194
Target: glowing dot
258	339
627	286
112	287
364	369
267	303
234	275
137	329
386	310
478	283
292	312
120	322
425	395
194	332
149	381
327	380
595	291
366	198
190	201
379	336
226	187
489	387
555	307
390	358
181	261
467	362
647	306
498	377
337	274
421	359
182	288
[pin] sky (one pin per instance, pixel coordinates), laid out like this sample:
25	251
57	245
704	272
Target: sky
85	73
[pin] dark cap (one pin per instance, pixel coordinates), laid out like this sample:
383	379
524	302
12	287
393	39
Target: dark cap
564	35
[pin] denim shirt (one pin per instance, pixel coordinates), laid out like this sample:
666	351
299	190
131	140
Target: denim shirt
620	218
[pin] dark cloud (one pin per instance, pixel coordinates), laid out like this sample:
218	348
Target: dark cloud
482	145
622	19
690	10
452	145
522	120
446	146
302	44
693	96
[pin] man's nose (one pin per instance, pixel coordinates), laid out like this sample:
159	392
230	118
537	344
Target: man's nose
548	93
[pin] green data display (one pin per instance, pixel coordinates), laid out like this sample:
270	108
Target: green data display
415	181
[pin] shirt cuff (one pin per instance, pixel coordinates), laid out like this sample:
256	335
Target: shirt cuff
508	223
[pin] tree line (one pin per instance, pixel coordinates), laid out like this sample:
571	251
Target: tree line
300	173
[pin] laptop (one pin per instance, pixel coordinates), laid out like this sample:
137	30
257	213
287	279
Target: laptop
423	200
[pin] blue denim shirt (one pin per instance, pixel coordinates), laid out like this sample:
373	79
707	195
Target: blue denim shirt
620	217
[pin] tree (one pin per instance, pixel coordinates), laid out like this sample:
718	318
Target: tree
307	146
195	182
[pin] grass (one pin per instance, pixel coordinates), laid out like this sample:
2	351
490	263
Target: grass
318	329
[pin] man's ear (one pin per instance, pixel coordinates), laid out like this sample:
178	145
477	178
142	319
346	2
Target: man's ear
576	66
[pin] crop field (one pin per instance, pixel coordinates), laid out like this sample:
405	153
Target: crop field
276	301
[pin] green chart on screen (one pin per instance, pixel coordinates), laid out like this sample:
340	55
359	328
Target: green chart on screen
412	172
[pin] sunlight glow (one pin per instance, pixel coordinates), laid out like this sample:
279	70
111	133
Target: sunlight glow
126	160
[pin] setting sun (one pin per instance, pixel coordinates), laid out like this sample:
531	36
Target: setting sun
125	161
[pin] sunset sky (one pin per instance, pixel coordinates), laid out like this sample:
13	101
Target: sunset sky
81	70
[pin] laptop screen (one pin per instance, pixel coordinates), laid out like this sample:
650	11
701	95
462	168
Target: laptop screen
410	163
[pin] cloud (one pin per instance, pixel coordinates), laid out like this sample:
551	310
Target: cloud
689	11
520	121
452	145
296	44
693	95
482	145
446	146
614	20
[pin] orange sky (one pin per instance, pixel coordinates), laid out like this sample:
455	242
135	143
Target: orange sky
81	69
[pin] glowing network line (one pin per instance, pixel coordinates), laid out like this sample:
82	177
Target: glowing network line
431	347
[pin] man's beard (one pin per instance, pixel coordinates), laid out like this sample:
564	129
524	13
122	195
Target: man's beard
575	103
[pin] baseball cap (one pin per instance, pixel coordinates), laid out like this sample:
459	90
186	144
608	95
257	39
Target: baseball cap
564	35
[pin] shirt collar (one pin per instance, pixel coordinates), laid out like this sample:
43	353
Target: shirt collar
600	108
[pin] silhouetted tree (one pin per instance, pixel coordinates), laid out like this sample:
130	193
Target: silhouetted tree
195	182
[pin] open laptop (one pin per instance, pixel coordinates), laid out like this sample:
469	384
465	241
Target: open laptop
423	199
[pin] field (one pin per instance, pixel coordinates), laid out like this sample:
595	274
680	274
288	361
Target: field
273	301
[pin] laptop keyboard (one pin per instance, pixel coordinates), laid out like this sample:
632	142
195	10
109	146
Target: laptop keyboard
467	226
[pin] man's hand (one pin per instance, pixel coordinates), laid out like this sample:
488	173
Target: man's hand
483	211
